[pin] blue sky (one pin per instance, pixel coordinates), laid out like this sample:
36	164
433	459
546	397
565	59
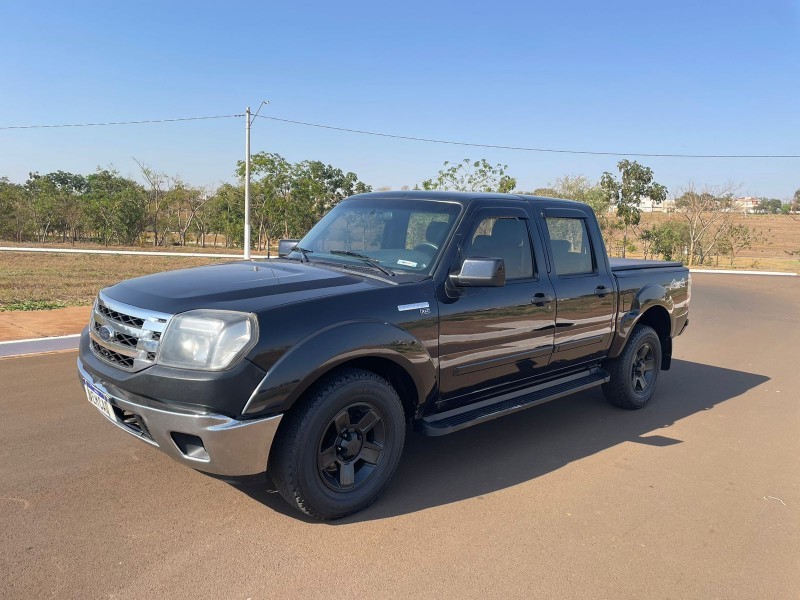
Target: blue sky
680	77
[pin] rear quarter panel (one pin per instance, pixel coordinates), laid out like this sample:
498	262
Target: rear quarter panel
641	290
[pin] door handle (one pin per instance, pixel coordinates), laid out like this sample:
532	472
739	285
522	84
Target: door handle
540	299
602	291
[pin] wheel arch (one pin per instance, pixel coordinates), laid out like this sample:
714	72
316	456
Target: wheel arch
391	352
391	371
651	307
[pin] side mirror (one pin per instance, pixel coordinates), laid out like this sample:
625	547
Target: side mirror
480	272
285	247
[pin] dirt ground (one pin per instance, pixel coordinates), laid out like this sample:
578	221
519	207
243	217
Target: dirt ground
23	325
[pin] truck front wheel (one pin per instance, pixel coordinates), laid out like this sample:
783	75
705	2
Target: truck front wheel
338	449
634	373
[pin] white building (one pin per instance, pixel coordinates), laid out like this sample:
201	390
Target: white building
747	204
649	206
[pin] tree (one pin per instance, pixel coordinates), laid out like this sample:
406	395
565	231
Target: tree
795	204
472	176
546	192
184	202
270	195
669	239
226	214
770	206
582	189
319	187
67	194
40	194
115	207
734	238
707	212
636	183
156	201
288	199
16	217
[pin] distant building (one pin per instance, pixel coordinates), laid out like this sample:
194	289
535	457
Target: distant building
649	206
746	204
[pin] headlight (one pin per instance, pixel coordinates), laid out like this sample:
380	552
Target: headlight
210	340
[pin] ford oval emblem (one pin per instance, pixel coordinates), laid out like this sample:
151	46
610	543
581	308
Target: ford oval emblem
105	333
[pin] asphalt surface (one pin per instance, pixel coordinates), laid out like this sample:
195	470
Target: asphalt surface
697	496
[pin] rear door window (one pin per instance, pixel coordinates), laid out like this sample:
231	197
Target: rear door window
570	246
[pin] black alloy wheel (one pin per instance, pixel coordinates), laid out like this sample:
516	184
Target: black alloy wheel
643	368
634	373
351	447
338	447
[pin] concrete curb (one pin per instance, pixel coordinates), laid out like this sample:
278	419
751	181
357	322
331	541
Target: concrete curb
735	272
13	348
122	252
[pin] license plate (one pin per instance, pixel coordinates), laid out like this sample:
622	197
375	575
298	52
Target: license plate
99	400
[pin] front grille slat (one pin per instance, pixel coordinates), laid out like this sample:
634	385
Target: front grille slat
119	317
112	357
125	336
128	340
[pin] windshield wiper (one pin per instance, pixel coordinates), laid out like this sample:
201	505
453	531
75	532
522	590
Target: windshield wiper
367	259
304	252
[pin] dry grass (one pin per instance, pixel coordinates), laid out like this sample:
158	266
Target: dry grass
36	280
782	233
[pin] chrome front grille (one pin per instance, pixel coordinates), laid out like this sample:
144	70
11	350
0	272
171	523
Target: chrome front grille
119	317
125	336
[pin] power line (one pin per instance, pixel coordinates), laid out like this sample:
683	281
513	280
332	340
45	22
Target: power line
142	122
525	149
406	137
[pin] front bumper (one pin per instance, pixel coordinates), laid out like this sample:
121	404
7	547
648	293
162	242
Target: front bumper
204	441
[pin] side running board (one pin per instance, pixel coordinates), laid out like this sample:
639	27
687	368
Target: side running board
480	412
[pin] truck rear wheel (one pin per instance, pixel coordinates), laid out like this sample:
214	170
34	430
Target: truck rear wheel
634	373
337	451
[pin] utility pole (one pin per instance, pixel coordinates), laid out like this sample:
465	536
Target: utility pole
248	122
625	235
247	185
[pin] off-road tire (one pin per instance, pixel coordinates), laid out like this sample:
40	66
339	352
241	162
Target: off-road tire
296	455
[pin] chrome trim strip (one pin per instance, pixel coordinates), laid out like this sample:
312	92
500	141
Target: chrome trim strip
150	316
234	447
415	306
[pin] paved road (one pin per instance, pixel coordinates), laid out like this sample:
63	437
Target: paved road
698	496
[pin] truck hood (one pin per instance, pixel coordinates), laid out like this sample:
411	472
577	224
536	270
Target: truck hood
245	286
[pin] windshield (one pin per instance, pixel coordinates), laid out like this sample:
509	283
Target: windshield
398	234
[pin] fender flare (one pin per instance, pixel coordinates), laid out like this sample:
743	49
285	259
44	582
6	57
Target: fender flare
649	296
305	363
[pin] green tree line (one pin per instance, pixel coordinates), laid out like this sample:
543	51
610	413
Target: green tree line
110	209
288	198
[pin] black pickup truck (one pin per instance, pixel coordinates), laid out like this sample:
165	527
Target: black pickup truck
427	310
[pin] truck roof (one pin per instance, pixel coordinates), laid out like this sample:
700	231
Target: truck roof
462	197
